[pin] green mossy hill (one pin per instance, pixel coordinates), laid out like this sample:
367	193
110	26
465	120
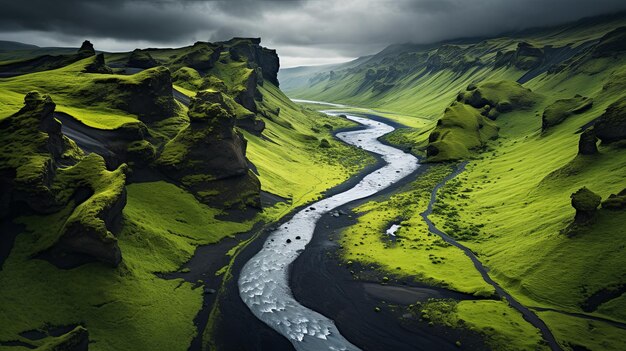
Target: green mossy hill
468	123
147	94
47	62
75	340
525	57
141	59
615	201
31	150
561	109
210	149
611	126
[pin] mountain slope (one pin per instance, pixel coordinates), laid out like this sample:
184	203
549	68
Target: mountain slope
538	115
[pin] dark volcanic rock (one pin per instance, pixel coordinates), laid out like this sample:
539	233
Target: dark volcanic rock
141	59
587	143
586	203
611	126
248	96
86	49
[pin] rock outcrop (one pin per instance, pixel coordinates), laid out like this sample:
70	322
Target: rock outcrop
561	109
587	145
147	94
208	152
615	201
202	56
86	49
32	180
468	123
141	59
524	57
32	147
611	126
586	203
98	66
250	50
76	340
611	44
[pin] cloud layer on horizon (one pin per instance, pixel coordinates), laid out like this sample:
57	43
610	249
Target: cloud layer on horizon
303	31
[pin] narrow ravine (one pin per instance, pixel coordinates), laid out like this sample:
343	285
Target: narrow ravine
528	315
263	282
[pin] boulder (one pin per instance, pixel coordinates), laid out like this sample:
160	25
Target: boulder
611	126
141	59
587	143
586	203
528	56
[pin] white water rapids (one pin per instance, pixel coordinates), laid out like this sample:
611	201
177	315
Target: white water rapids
263	282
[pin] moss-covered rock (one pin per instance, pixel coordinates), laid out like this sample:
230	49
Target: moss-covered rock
615	201
250	50
88	230
611	126
468	123
31	149
202	56
98	65
76	340
587	143
561	109
210	150
141	59
525	57
586	203
147	94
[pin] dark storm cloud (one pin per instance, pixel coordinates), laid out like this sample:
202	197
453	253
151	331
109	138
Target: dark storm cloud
304	31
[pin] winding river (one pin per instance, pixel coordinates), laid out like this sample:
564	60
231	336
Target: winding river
263	282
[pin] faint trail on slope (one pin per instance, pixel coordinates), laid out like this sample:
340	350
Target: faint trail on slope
528	315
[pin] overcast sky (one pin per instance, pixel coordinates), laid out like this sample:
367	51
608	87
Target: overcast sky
304	32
